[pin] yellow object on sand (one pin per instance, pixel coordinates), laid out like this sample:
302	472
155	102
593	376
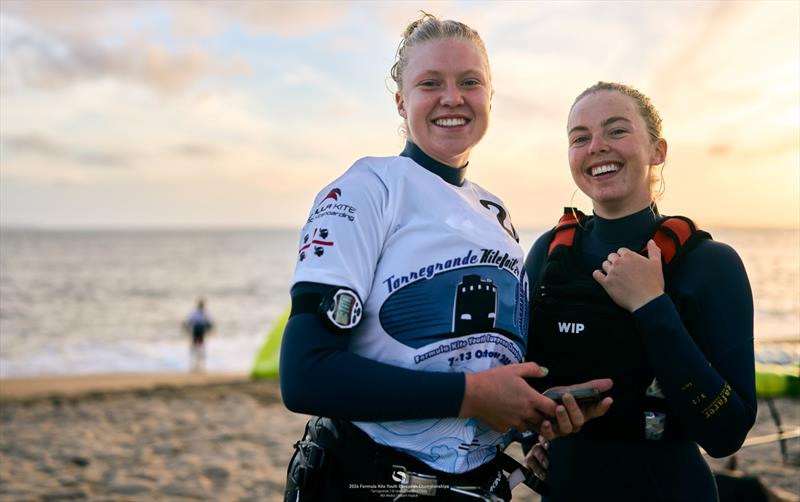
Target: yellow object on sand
268	360
775	380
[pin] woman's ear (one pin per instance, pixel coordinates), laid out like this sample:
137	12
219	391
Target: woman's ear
401	105
659	154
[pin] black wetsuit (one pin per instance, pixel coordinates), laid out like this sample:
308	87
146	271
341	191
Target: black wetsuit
697	341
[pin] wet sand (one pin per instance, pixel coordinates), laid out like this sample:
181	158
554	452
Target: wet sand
200	437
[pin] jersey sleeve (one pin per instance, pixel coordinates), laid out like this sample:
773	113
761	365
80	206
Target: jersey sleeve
703	359
343	236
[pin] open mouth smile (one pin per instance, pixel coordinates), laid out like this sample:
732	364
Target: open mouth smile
605	168
451	122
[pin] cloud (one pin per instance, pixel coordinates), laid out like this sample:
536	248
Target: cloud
733	73
42	146
39	53
285	18
195	150
33	143
777	146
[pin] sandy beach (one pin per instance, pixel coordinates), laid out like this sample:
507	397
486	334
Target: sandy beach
202	437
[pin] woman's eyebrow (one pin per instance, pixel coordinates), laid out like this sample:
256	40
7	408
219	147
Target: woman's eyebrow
611	120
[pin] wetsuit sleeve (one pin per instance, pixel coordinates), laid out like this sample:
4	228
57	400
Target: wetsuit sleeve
704	363
320	377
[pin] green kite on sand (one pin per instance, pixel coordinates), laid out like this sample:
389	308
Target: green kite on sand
268	359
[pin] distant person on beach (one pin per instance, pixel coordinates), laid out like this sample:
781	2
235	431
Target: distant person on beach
409	306
198	324
648	300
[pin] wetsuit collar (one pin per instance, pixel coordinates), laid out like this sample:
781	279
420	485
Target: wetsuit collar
628	227
454	176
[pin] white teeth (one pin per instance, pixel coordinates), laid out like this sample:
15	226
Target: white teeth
450	122
605	168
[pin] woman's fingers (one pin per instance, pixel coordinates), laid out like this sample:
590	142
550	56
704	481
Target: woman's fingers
547	430
537	461
573	412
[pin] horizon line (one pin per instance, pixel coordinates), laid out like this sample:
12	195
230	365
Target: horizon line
243	227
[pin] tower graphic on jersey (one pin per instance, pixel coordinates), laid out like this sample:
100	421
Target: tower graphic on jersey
475	307
456	303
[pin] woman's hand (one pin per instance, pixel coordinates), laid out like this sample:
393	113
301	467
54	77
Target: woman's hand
537	459
630	279
502	399
570	417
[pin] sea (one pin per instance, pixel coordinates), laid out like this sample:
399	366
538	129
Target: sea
76	302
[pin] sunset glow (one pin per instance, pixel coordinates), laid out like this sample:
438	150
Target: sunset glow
122	114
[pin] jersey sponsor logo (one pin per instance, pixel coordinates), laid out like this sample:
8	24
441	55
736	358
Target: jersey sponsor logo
315	243
427	271
455	303
502	216
464	350
334	208
493	256
570	327
486	257
333	194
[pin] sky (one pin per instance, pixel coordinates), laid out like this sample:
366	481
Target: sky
119	114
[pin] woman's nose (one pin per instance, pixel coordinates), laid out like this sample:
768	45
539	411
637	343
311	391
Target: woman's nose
451	95
598	144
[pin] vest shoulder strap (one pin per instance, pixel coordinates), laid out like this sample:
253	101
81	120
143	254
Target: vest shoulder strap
674	235
563	234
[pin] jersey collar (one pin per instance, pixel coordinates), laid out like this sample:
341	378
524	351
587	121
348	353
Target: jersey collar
454	176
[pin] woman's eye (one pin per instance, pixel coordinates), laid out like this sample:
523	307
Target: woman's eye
428	83
471	82
578	140
618	131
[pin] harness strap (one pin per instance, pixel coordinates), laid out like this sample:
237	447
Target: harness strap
673	235
385	463
517	473
564	231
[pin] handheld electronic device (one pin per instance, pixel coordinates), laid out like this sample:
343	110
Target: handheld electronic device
582	396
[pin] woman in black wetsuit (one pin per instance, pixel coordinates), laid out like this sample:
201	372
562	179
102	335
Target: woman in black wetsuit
676	338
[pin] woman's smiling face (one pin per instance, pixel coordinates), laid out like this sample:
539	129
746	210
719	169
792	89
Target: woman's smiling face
445	98
611	153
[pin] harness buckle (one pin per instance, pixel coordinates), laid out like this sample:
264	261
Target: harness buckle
415	483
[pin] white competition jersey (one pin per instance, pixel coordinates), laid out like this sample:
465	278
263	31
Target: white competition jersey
442	280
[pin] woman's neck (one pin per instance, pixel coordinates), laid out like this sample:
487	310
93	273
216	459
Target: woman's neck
624	228
612	211
454	176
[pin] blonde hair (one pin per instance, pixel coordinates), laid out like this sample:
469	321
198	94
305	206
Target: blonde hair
429	27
